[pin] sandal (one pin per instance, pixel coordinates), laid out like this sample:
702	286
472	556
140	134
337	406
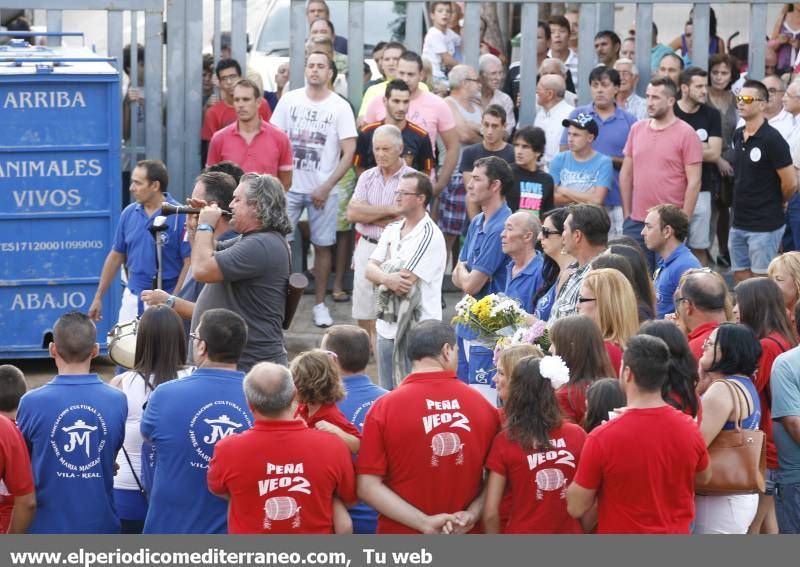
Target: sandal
340	296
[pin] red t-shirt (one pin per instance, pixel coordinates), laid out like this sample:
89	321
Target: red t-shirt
329	413
698	336
281	477
16	478
643	465
615	356
270	151
220	115
538	481
428	440
772	346
572	401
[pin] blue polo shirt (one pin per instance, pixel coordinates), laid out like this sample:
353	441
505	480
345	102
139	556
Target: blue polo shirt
610	141
483	251
361	393
74	425
667	276
133	239
184	419
524	284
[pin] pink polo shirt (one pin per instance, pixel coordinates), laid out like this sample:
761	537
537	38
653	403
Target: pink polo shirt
269	152
659	161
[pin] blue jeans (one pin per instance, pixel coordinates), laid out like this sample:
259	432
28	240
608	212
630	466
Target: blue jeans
633	229
386	375
787	508
753	250
791	237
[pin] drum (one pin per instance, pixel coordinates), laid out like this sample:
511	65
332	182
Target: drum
122	343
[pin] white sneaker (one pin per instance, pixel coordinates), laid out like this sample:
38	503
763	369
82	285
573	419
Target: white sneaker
322	317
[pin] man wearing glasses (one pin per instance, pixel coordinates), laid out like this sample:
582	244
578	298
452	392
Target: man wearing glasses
415	247
700	305
372	207
764	180
222	111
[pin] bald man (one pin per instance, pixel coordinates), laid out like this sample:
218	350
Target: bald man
524	271
552	111
280	476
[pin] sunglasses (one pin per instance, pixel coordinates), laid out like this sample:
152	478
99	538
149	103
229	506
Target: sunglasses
748	99
548	232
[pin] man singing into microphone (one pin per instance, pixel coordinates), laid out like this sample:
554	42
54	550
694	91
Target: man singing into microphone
135	248
248	274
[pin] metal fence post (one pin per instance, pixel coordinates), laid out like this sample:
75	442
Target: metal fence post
472	44
586	57
644	44
355	52
298	28
700	35
528	63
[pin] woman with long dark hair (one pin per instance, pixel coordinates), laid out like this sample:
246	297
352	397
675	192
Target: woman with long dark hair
679	389
730	354
161	349
577	340
641	282
536	454
603	396
556	260
762	307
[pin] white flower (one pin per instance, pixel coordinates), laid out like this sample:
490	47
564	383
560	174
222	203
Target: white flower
554	369
463	306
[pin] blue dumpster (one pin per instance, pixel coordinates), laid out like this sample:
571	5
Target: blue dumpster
59	189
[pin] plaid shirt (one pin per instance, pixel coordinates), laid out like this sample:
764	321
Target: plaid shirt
567	301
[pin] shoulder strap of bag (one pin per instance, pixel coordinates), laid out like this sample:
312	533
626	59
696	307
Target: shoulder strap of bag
740	389
133	471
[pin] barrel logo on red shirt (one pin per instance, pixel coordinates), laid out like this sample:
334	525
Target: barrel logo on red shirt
551	479
445	443
279	508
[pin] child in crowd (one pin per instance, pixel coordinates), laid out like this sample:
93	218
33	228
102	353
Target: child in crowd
441	43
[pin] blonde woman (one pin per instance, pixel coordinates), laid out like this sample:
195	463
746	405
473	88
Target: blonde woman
607	297
784	270
506	362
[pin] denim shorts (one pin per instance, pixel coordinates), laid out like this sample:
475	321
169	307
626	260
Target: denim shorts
770	480
753	250
321	221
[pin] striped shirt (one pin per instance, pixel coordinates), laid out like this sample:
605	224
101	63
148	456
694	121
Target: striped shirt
373	189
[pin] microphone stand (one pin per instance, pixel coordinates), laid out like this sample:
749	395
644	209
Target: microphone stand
159	225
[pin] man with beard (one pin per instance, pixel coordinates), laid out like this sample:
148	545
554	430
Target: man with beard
662	144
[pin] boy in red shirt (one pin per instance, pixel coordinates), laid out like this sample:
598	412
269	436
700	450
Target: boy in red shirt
641	467
280	476
17	494
425	443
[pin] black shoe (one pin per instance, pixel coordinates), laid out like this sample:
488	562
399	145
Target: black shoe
724	260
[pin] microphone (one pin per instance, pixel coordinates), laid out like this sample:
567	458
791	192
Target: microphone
167	209
159	225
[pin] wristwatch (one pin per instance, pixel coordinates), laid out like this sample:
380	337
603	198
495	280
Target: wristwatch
205	227
170	302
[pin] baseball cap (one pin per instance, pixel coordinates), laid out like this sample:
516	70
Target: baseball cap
584	122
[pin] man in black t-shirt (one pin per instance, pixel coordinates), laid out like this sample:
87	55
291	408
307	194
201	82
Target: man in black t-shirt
493	128
707	122
417	149
763	181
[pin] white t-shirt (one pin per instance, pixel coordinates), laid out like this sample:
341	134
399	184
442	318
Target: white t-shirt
315	130
550	121
424	254
438	42
133	386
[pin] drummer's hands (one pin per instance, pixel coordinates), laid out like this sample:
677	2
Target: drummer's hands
152	297
96	309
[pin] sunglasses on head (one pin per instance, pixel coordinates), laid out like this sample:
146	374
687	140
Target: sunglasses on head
748	99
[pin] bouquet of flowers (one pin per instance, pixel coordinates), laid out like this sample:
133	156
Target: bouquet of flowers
535	334
494	317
